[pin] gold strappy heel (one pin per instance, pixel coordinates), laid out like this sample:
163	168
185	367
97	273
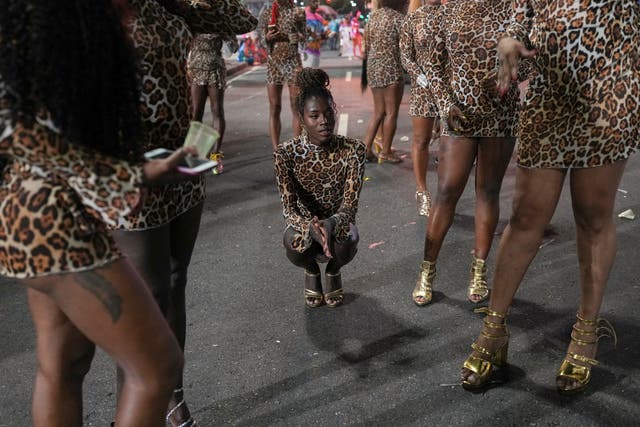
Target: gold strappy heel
423	199
312	298
581	373
424	285
335	297
478	280
490	368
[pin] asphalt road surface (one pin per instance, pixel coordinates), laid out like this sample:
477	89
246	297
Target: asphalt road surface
256	356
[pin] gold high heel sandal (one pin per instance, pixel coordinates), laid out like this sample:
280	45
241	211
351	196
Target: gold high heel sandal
490	367
478	281
580	374
423	199
389	158
312	298
335	297
424	285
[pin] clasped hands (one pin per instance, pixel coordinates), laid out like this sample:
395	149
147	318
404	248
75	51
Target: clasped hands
321	231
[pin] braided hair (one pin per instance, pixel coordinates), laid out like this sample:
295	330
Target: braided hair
72	59
313	82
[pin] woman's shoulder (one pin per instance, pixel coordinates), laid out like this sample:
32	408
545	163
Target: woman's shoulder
352	144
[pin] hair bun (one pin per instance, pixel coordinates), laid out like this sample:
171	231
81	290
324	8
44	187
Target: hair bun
309	78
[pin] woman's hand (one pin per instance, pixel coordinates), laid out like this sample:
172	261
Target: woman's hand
273	35
509	53
456	120
157	171
322	232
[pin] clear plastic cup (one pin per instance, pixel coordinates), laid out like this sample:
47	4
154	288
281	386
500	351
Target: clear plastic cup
202	137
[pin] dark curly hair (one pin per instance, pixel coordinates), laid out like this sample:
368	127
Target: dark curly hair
73	59
313	82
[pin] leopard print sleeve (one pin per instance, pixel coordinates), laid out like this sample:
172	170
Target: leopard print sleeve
346	214
217	16
436	66
289	199
407	49
521	21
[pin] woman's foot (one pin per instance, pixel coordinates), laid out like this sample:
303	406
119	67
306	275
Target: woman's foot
487	365
218	158
334	295
179	415
371	158
389	158
312	289
575	372
423	291
478	290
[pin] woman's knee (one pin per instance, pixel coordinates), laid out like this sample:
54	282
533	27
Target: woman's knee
68	365
448	193
592	220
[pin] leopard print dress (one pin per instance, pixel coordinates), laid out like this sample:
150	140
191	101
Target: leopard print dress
581	106
284	59
162	39
382	38
319	181
205	63
414	45
462	65
56	201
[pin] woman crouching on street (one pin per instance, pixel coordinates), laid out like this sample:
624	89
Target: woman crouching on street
319	176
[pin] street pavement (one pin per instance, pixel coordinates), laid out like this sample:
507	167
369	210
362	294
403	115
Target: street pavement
256	356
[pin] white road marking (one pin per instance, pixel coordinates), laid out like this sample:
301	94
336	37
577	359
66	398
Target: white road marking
251	70
348	77
343	123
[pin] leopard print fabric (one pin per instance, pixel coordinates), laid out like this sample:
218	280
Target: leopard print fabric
205	64
162	41
319	181
414	44
581	106
382	38
284	59
56	199
462	65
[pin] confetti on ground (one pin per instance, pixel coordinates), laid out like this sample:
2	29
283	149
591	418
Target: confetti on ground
628	214
360	121
625	192
404	138
410	223
367	178
376	244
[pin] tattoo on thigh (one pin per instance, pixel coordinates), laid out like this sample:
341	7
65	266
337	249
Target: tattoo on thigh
102	289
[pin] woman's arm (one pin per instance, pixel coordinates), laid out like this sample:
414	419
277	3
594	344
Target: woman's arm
437	64
289	198
407	49
346	214
217	16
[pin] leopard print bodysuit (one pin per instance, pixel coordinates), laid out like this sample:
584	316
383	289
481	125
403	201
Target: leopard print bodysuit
581	106
205	63
414	45
461	69
382	38
319	181
162	39
284	59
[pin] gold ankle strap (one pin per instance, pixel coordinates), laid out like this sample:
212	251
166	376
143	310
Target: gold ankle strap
603	329
490	312
585	321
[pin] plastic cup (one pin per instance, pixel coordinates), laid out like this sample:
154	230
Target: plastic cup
202	137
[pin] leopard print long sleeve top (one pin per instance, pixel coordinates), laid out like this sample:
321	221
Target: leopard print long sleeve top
581	106
415	41
319	181
462	67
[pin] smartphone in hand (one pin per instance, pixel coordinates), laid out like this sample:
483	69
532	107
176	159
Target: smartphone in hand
191	165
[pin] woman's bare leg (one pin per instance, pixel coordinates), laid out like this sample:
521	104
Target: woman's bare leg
274	92
392	98
216	101
455	160
376	118
295	116
422	129
593	193
198	101
112	307
493	159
